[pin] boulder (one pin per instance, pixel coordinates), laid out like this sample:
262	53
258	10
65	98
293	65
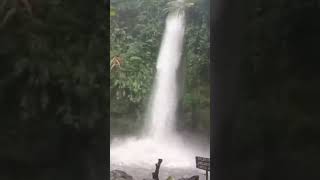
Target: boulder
191	178
120	175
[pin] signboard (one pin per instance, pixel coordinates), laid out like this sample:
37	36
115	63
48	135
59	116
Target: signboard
203	163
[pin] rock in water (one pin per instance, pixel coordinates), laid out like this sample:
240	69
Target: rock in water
120	175
192	178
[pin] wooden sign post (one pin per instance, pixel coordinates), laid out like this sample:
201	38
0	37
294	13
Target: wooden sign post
204	164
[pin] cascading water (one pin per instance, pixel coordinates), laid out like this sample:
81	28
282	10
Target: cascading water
161	139
164	103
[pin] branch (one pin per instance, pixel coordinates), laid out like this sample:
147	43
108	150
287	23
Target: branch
155	175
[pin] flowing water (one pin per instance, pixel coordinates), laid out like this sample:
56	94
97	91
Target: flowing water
164	102
137	156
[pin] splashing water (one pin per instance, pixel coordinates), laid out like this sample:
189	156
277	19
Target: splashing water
161	139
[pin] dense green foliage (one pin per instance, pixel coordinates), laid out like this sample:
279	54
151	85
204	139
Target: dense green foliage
53	82
136	30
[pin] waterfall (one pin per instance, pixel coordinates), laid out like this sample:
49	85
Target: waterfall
162	115
160	139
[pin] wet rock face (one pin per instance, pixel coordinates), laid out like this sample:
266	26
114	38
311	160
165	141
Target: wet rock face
120	175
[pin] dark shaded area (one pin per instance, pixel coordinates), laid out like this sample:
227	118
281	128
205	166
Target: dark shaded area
53	87
265	89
